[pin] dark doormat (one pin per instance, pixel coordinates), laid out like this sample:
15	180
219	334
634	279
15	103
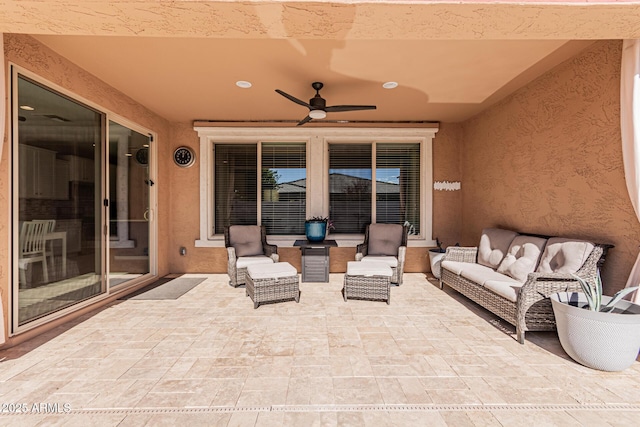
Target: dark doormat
166	289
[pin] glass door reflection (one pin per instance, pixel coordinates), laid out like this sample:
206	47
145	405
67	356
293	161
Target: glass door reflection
59	259
129	204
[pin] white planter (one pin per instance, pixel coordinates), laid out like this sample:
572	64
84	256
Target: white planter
435	258
604	341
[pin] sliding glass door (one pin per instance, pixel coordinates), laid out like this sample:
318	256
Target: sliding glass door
59	201
83	200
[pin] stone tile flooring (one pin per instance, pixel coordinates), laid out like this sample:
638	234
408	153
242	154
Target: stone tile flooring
431	358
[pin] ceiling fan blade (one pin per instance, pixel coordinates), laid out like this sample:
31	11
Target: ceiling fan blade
338	108
303	121
293	98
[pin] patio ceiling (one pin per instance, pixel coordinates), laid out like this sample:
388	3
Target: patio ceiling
181	59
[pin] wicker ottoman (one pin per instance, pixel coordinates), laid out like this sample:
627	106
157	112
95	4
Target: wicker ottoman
367	280
272	282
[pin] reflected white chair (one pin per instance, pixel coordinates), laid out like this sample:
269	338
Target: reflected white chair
50	225
32	248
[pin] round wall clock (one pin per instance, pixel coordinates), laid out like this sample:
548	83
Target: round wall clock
184	157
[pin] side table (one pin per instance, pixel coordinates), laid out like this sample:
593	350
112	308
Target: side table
315	259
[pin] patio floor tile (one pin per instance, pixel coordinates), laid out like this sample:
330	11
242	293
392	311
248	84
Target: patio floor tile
208	358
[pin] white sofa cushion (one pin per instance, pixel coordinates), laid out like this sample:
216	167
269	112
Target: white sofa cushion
391	261
522	257
453	266
508	290
245	261
564	255
479	274
494	244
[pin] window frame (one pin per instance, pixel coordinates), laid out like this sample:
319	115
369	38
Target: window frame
318	141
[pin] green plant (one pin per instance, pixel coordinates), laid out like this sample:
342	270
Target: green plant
593	293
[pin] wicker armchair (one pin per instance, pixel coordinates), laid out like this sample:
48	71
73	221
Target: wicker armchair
532	311
388	243
247	245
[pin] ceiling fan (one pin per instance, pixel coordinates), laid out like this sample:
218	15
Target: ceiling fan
318	106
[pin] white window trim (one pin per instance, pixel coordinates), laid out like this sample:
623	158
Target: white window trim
317	140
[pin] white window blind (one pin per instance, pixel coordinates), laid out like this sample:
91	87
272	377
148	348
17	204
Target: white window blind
350	187
398	185
284	188
236	183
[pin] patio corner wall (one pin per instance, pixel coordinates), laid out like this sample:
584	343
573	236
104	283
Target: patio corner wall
548	159
32	55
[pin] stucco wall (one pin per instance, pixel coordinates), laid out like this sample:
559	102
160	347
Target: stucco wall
28	53
548	160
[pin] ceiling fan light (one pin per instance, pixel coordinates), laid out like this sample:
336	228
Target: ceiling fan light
317	114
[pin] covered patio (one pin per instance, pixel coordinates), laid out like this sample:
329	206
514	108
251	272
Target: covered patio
525	135
432	358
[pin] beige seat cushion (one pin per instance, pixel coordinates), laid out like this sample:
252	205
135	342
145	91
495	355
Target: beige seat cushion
245	261
494	244
508	290
359	268
246	239
455	267
391	261
522	257
480	274
271	271
564	255
384	239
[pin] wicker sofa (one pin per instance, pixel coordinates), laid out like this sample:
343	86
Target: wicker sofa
512	274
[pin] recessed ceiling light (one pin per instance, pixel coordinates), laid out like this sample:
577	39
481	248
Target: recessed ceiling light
243	84
145	145
390	85
128	154
27	107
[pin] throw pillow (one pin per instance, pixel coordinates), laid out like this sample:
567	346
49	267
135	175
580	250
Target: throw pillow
522	257
564	255
494	244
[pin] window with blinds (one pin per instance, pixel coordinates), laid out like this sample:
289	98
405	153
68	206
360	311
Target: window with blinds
284	188
398	185
236	182
350	187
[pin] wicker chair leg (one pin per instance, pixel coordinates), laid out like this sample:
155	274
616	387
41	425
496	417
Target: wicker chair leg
344	294
298	297
441	284
520	335
255	305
